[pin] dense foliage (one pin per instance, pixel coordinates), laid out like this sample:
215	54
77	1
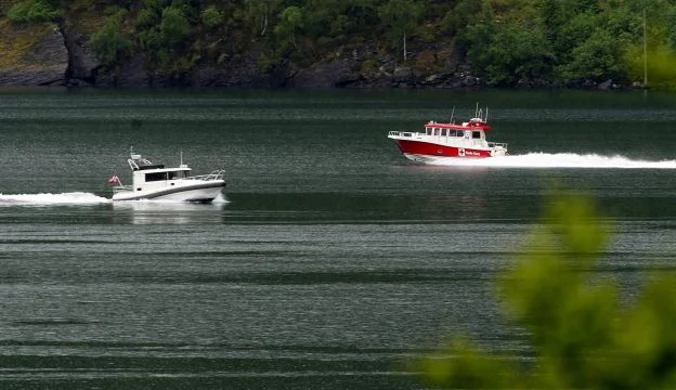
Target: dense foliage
582	336
28	11
505	41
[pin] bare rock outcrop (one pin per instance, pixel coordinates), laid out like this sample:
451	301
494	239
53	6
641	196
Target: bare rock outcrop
131	74
335	73
242	71
82	62
43	64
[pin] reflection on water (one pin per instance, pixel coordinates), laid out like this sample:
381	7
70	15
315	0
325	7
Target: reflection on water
146	212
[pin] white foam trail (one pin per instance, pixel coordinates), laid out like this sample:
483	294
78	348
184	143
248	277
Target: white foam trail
220	199
46	199
559	160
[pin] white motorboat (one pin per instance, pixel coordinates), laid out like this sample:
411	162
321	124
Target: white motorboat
156	182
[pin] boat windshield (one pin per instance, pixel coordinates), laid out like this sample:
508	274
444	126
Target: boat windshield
173	175
142	163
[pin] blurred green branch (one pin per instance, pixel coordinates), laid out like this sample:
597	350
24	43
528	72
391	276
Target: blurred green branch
581	336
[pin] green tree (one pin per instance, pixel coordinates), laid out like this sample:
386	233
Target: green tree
325	19
401	17
30	11
146	18
513	53
108	42
363	14
259	13
661	67
212	17
659	53
598	58
290	22
507	46
174	27
581	336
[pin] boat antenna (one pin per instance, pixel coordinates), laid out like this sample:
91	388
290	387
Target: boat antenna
486	118
476	110
452	113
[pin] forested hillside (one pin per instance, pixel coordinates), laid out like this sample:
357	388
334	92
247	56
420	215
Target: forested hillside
343	43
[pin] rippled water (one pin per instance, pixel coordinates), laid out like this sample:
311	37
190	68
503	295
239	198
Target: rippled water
331	262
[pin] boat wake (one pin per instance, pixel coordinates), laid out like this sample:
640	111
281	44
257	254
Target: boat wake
159	204
559	160
79	198
220	199
46	199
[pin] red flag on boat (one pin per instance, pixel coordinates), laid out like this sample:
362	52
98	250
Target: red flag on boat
113	179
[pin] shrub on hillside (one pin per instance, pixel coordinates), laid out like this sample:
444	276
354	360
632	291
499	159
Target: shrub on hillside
109	44
212	18
29	11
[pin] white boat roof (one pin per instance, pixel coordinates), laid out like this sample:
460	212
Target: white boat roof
163	169
140	163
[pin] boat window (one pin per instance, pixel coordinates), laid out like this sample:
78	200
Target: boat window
476	134
173	175
444	132
460	133
437	131
428	131
158	176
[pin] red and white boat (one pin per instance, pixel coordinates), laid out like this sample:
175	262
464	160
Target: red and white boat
441	141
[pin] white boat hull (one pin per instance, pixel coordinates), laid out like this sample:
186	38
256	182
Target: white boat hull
200	192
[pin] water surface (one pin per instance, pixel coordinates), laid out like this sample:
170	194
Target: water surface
332	262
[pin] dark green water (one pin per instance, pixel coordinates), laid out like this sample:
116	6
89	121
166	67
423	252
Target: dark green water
334	263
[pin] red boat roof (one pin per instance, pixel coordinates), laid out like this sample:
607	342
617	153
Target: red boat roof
473	124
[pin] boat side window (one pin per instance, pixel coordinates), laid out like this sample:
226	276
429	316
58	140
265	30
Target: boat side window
157	176
460	133
428	131
476	134
444	132
173	175
437	131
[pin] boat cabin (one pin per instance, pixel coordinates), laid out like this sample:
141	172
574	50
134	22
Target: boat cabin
443	132
472	132
147	175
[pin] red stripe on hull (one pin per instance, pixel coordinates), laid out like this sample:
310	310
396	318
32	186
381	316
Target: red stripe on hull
428	149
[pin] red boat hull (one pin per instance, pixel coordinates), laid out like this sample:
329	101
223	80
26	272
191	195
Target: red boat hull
435	150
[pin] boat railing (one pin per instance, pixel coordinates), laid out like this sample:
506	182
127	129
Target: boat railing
497	144
408	134
214	175
122	188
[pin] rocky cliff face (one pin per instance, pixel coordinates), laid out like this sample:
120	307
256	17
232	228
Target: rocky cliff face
60	56
82	62
40	61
